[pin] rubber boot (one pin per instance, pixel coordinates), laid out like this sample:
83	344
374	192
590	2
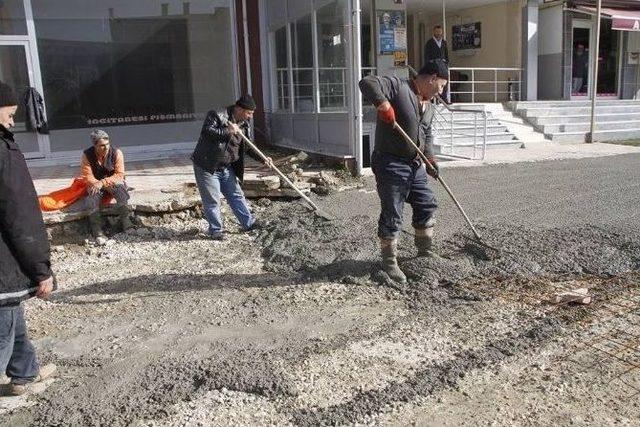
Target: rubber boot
95	224
389	250
125	221
424	240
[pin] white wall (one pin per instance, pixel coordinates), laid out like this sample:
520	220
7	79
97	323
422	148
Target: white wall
550	31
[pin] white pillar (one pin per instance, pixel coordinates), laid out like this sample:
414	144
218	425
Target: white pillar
530	50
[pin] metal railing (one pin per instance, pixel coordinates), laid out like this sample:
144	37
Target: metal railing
445	120
485	84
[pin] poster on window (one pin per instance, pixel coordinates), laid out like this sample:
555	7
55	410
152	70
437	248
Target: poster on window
392	33
467	36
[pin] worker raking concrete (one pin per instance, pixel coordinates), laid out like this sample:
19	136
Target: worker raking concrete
401	176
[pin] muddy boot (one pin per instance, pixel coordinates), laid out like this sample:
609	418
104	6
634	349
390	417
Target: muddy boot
424	240
95	224
389	250
125	221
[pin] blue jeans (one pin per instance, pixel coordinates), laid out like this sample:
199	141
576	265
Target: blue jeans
223	182
398	182
17	354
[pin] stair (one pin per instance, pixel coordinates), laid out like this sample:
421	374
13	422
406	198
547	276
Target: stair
468	131
569	121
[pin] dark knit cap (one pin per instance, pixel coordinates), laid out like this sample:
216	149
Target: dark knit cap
438	67
7	96
246	101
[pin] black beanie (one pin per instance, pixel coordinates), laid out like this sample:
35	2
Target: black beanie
246	101
7	96
438	67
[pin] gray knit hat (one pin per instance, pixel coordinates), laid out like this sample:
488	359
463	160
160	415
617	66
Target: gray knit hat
97	135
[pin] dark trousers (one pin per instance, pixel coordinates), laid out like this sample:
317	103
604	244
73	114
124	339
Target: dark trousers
118	191
17	354
398	182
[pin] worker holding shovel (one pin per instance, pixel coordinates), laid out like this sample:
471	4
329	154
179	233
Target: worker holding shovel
401	175
218	163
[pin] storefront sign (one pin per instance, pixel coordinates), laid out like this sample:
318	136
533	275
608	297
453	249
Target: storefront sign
626	24
154	118
467	36
392	33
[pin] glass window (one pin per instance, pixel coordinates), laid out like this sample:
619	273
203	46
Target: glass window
332	55
115	63
282	69
302	50
14	72
12	19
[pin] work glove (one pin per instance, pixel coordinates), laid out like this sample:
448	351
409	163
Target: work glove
434	172
387	116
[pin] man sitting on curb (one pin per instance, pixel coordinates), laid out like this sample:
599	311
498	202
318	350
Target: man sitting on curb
218	164
102	169
25	266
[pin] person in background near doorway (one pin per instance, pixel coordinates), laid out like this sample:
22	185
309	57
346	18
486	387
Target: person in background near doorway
436	48
218	164
25	265
580	67
102	169
401	176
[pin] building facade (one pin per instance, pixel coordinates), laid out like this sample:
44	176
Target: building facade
148	70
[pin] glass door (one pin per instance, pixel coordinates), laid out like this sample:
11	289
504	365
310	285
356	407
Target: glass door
18	71
14	71
581	60
608	60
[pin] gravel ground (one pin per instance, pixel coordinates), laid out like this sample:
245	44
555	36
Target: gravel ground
295	325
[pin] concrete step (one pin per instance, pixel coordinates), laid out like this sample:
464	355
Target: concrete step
586	126
581	118
600	135
446	149
445	140
469	129
490	136
573	110
515	105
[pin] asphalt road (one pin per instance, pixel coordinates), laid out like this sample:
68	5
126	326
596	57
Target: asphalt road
603	192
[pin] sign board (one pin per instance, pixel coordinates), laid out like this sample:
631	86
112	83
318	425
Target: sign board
626	24
467	36
392	32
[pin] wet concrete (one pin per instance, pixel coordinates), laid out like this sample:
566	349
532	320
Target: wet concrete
266	315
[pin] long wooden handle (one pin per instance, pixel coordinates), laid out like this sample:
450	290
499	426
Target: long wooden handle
272	166
408	139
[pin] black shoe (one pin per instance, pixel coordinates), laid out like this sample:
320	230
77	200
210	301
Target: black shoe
218	236
257	225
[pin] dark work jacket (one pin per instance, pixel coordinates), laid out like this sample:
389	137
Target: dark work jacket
404	101
580	65
105	170
24	247
213	148
35	111
432	51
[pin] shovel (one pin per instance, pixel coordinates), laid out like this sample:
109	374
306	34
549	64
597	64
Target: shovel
430	167
313	206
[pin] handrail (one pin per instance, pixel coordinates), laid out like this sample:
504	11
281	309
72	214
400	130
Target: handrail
493	81
442	121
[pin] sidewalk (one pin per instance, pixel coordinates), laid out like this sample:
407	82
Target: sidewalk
168	185
538	151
